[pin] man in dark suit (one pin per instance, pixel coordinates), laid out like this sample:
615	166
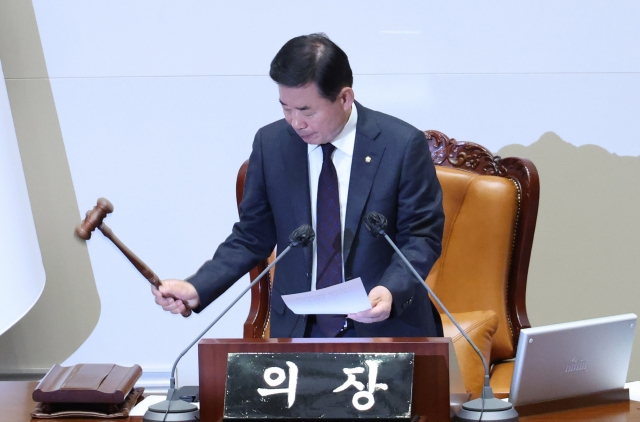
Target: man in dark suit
329	163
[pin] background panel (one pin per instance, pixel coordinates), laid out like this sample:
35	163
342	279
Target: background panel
166	151
498	110
170	38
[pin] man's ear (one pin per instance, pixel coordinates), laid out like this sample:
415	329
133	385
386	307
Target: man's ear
346	96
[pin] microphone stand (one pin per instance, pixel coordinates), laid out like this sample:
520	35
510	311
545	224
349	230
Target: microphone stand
475	409
175	410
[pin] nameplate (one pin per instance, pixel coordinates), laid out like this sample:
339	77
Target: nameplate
319	385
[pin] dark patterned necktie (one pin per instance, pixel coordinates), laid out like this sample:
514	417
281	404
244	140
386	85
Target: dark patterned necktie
329	242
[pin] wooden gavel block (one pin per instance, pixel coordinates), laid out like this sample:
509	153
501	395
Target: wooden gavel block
95	220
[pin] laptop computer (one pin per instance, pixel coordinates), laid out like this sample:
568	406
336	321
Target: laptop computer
572	359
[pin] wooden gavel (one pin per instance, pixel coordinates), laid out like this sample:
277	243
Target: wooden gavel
94	220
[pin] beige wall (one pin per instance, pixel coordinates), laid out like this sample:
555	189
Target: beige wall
69	307
587	239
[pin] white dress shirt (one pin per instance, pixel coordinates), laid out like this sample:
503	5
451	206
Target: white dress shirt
341	158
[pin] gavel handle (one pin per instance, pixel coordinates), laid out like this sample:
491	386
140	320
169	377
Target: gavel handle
139	264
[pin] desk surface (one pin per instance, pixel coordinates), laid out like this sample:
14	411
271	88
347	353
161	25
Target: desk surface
16	406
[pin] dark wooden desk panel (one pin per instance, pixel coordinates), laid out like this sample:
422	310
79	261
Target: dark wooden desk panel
431	374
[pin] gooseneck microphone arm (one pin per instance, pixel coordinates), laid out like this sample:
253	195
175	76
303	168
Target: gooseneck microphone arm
375	223
301	236
501	411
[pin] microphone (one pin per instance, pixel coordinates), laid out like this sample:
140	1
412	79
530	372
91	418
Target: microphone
474	409
175	410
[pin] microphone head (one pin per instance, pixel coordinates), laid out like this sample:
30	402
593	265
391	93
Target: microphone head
375	223
302	236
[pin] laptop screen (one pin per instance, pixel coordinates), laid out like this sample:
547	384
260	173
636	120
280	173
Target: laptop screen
572	359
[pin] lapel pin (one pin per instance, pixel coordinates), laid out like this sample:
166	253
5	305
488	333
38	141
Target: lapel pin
367	159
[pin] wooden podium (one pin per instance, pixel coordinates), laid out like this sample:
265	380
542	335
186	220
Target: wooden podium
437	393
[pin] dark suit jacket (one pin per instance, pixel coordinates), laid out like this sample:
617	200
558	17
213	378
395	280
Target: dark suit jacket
398	182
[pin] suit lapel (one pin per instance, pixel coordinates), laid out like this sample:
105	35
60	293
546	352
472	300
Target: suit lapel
367	155
296	164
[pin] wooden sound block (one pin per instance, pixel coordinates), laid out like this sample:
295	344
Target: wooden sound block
87	383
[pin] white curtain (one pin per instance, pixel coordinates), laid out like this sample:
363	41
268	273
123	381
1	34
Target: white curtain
22	274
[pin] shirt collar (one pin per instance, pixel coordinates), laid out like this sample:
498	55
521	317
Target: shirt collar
346	138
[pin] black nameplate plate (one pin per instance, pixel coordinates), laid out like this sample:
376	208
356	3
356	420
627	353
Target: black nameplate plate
318	385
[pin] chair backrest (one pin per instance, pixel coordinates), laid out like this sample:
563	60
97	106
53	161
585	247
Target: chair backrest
491	206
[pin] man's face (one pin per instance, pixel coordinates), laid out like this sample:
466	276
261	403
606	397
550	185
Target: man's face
315	119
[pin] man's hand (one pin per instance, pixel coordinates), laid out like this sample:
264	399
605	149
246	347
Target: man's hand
381	299
179	289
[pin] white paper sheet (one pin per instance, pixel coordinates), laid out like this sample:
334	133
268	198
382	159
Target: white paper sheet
344	298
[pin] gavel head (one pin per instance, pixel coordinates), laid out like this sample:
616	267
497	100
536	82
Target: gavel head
94	218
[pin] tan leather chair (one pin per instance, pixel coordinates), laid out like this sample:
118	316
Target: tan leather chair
490	206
